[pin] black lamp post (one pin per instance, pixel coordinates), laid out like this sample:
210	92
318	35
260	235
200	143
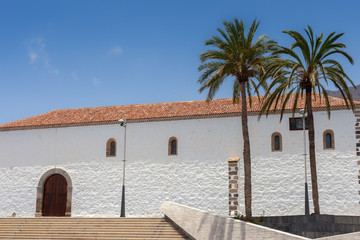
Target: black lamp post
303	114
122	214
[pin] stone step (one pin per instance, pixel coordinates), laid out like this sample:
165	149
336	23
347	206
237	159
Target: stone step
87	238
82	218
85	227
136	230
86	233
120	229
99	227
39	236
63	219
88	228
83	223
103	228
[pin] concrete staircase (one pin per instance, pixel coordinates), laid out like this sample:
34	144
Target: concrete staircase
88	228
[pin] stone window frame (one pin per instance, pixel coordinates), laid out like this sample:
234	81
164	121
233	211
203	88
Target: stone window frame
273	135
108	147
331	132
170	146
40	191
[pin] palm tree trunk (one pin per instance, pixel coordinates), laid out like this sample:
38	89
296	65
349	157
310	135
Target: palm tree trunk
246	151
314	184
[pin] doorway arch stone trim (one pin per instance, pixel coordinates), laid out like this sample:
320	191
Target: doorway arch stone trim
40	191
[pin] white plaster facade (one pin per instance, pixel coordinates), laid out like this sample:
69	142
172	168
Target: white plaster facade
197	176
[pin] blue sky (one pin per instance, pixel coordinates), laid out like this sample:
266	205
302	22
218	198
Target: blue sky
70	54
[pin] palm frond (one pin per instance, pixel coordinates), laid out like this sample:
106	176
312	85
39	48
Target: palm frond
236	55
292	75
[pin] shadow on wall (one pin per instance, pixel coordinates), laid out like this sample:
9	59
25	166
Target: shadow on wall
219	229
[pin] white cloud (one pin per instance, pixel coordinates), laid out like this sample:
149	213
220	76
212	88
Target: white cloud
95	81
115	51
50	67
38	55
33	57
75	76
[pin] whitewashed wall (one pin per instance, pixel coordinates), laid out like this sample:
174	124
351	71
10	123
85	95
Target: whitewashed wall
197	177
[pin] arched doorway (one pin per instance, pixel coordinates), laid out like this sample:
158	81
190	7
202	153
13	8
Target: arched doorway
54	198
54	194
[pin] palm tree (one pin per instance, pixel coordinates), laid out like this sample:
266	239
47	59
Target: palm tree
308	69
238	57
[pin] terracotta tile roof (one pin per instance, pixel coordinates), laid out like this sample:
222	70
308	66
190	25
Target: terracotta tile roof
150	112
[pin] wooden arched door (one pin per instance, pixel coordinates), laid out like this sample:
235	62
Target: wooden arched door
55	195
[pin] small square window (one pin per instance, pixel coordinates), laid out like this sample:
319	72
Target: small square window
297	123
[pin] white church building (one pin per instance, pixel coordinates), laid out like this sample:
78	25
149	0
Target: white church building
187	152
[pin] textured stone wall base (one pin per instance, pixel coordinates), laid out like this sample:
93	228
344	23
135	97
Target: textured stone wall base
233	186
357	136
315	226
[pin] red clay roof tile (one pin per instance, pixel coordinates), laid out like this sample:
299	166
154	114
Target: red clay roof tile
152	111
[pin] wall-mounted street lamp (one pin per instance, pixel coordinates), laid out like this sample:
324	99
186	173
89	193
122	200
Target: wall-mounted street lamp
303	114
122	214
